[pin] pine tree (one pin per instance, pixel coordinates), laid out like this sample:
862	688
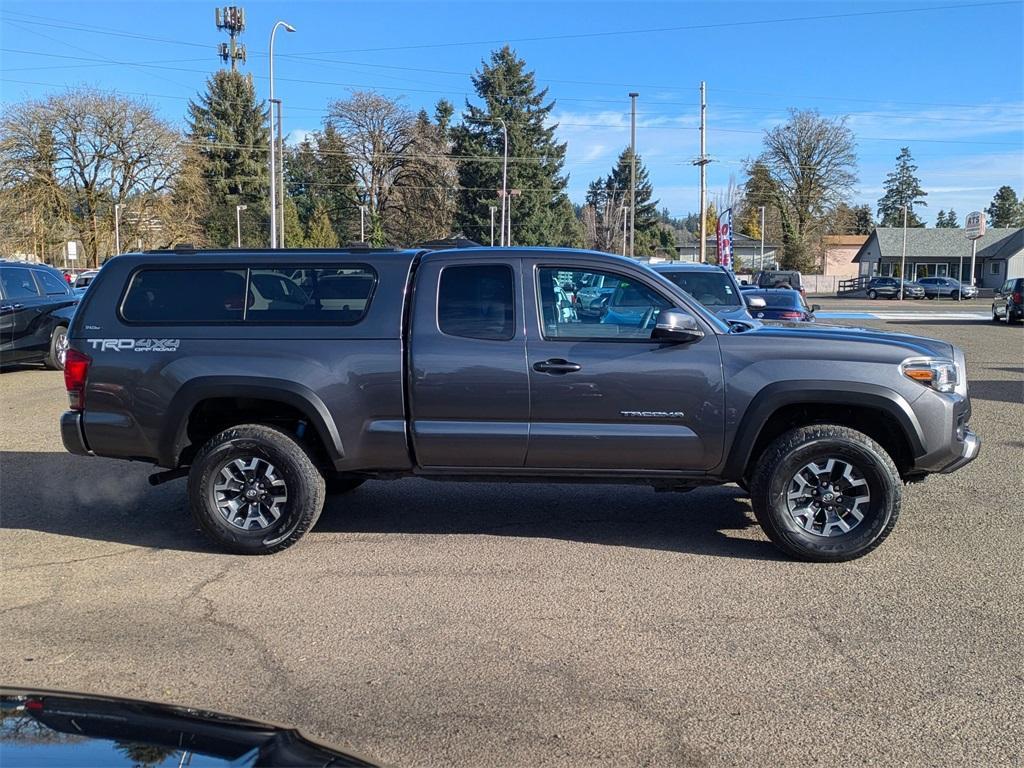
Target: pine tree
319	172
229	130
951	220
542	213
1005	209
610	195
293	236
940	219
902	187
321	234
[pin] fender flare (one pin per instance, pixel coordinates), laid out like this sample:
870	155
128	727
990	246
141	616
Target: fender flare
174	436
783	393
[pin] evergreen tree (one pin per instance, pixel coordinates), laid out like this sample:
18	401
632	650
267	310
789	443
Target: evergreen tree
902	187
1005	209
293	236
319	172
610	195
542	213
951	220
229	130
940	219
321	234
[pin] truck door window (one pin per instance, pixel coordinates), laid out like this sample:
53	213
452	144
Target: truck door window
626	309
477	301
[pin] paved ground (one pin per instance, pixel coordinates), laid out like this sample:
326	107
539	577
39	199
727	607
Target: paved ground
432	624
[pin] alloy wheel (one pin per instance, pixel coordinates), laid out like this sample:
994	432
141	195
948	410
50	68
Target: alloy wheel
250	493
828	497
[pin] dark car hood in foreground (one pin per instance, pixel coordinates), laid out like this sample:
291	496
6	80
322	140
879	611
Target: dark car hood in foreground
50	728
918	345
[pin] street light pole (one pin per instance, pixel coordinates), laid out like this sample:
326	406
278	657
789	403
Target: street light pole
273	170
504	179
493	210
632	174
280	178
238	223
117	229
903	260
761	261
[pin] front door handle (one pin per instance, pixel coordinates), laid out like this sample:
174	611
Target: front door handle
7	308
556	366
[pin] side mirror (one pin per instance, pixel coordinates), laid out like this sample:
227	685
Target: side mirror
676	325
815	307
756	302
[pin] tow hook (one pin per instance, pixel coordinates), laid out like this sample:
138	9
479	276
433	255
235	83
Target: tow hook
160	478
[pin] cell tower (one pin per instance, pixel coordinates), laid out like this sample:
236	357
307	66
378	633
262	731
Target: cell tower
232	19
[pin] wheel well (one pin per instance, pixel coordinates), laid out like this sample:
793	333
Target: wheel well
873	422
213	415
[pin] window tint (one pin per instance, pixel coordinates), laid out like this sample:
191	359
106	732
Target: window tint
175	296
339	295
477	302
18	282
712	289
628	310
51	283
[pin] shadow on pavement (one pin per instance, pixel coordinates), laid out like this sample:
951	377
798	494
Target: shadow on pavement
1000	390
108	500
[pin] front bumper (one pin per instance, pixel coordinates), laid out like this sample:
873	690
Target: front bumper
969	448
72	434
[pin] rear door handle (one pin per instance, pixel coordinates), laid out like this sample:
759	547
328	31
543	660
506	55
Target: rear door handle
6	308
556	366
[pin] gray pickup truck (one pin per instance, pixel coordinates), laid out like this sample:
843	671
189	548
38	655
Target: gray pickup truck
272	378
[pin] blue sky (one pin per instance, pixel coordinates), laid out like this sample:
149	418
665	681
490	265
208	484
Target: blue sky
946	79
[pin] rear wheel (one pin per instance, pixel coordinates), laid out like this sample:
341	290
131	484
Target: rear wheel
58	353
254	490
826	493
872	294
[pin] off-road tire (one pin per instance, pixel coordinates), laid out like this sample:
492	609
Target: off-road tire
53	359
794	449
304	483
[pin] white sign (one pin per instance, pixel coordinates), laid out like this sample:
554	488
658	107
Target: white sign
72	250
974	225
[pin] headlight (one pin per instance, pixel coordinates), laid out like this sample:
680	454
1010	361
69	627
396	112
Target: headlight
936	372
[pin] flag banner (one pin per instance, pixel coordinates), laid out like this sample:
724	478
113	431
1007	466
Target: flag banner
724	238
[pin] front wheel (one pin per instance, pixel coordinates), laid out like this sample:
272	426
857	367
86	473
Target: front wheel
254	490
826	493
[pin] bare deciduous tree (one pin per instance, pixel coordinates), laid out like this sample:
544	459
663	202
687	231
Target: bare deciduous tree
805	171
78	154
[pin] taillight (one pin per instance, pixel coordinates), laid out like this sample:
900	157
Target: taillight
791	315
1016	297
76	370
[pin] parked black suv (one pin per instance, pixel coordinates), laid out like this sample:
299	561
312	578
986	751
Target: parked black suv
36	307
1008	303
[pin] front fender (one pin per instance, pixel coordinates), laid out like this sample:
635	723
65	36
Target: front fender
782	393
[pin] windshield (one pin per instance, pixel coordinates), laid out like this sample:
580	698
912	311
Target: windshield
712	289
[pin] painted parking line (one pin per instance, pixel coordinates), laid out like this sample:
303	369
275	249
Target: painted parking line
903	315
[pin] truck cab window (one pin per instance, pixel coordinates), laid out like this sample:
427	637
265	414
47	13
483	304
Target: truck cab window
610	307
477	301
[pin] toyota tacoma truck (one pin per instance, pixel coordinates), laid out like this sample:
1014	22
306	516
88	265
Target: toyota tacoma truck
272	377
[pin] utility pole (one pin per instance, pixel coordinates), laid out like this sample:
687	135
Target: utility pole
632	174
903	260
761	262
493	209
511	193
232	20
702	161
504	179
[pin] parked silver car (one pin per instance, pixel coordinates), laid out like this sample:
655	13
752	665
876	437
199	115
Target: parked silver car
937	287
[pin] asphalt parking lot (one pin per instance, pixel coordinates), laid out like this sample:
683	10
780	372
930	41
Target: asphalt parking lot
488	624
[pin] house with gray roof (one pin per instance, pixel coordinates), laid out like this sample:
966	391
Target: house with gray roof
944	253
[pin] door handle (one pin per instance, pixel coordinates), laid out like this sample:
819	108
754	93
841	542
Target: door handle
10	308
556	366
